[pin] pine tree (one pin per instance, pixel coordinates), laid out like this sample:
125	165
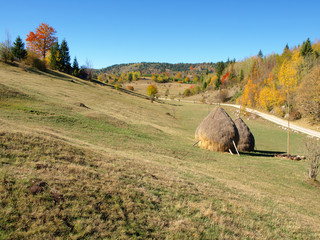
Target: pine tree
75	67
306	48
287	47
260	54
65	57
241	77
219	68
55	58
217	83
18	49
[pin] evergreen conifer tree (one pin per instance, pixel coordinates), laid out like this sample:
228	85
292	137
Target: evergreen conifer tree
241	77
217	83
65	57
18	49
75	67
260	54
219	68
55	58
306	48
287	47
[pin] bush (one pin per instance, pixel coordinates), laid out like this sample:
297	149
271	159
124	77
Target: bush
39	64
224	93
196	90
34	61
187	93
117	86
313	156
6	53
131	88
294	115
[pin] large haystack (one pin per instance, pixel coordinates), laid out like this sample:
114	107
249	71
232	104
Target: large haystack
217	131
246	142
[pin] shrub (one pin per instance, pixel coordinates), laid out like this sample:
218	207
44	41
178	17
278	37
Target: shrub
224	93
117	86
6	53
34	61
313	156
196	90
39	64
131	88
294	115
187	93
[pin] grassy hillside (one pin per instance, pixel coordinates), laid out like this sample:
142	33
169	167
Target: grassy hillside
82	161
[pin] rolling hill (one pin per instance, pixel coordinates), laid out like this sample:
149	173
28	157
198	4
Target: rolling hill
156	68
79	160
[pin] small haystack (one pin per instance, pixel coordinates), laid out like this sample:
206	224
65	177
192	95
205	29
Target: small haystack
246	142
217	131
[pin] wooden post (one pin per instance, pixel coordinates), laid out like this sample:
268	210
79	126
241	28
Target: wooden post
196	143
288	137
234	144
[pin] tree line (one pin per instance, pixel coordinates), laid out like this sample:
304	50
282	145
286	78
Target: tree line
275	81
43	51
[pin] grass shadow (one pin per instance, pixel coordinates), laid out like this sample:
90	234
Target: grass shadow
58	75
261	153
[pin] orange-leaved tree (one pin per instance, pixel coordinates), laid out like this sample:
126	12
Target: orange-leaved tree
41	40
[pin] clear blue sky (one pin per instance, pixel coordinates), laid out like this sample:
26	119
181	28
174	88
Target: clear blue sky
113	32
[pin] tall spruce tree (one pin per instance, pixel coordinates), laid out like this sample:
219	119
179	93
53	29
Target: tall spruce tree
241	75
75	68
286	47
18	49
306	48
65	57
75	65
260	54
55	58
219	68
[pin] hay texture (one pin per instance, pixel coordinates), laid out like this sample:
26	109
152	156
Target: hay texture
217	131
246	139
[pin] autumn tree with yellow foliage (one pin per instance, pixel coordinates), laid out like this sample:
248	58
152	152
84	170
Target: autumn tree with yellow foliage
250	94
270	96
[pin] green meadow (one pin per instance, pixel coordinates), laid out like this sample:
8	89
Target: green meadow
79	160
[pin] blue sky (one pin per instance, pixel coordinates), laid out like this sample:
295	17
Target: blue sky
114	32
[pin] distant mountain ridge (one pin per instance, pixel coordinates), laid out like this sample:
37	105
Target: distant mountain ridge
156	68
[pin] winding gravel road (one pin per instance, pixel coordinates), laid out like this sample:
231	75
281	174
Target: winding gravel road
269	117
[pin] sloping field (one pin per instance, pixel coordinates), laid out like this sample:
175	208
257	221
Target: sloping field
84	161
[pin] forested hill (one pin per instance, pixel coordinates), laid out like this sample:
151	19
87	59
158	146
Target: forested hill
156	68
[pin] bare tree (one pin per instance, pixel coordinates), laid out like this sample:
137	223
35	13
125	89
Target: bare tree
313	156
5	49
88	69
